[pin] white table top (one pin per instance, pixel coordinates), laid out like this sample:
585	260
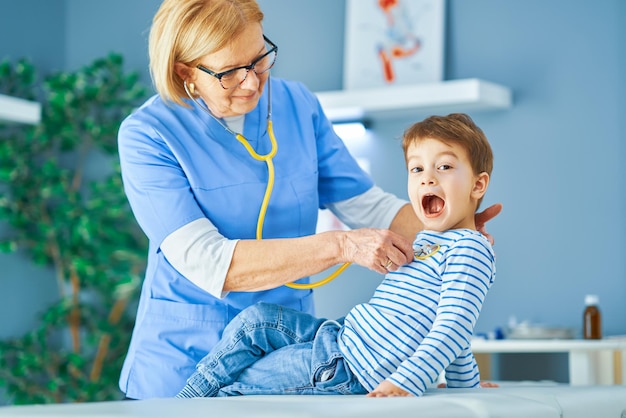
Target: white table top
546	346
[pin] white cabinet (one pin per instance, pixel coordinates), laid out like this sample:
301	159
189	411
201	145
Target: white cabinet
465	95
13	109
591	362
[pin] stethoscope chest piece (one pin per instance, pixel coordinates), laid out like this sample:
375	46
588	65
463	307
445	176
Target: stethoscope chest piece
426	251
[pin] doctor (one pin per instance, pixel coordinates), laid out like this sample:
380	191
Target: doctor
197	159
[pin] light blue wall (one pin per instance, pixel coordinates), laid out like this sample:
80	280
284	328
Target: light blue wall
96	28
33	29
621	89
559	151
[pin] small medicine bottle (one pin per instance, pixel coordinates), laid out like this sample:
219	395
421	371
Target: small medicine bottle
592	319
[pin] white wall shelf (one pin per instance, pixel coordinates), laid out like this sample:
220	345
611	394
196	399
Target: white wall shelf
13	109
408	100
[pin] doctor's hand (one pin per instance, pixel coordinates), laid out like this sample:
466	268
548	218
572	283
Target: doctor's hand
380	250
386	389
486	215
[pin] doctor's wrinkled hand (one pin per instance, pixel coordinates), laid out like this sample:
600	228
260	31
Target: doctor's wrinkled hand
380	250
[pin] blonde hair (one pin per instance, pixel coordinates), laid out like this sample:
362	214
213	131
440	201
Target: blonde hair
186	30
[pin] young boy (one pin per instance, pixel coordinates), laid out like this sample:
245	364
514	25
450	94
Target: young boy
419	321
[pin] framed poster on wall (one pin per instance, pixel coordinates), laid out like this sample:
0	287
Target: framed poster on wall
393	42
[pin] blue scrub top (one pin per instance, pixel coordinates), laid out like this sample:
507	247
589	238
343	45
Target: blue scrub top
179	165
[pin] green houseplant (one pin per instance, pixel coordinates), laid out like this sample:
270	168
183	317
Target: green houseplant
63	213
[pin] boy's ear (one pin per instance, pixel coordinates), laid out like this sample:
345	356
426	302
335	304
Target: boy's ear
480	185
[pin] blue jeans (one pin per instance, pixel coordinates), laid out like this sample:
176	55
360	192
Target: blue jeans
271	350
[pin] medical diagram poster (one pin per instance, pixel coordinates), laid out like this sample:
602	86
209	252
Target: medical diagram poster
393	42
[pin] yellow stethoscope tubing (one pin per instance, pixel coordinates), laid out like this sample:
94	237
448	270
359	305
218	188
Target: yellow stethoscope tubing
267	158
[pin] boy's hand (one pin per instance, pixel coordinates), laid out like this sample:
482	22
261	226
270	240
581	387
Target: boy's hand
385	389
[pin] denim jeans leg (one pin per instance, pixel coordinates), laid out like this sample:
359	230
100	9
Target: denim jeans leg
282	372
256	332
316	367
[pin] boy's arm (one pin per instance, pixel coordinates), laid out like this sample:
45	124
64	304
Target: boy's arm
463	371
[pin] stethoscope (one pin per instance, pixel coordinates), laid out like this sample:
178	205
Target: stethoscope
420	254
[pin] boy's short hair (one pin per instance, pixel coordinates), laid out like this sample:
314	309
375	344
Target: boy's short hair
456	128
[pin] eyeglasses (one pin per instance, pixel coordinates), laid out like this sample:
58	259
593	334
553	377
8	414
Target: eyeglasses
232	78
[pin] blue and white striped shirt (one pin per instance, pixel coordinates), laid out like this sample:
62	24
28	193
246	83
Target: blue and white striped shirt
420	320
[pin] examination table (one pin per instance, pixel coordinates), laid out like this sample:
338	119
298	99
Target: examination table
527	400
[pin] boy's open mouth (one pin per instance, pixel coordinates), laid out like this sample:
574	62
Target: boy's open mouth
432	205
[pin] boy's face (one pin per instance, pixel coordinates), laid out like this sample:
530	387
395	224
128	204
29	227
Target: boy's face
442	186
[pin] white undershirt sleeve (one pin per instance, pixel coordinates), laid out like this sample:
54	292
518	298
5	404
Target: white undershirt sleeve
373	209
201	254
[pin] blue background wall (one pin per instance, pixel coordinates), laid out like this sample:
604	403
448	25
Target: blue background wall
559	150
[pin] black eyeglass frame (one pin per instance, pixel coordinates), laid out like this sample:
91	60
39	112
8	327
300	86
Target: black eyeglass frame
274	48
